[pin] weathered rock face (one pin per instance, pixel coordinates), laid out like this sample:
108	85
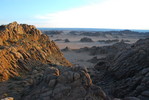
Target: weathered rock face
65	83
52	82
128	73
22	46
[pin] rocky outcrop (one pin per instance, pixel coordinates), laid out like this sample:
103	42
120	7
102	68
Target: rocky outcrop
66	49
127	73
58	40
66	40
108	41
50	32
22	46
35	69
52	82
65	84
86	39
108	50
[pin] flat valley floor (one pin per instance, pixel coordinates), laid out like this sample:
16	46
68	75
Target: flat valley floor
82	58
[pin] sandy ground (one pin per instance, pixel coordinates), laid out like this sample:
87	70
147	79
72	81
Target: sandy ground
83	57
80	58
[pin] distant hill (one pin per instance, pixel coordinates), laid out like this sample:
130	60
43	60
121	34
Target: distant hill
88	29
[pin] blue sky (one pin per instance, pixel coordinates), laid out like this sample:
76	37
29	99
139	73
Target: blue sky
27	9
123	14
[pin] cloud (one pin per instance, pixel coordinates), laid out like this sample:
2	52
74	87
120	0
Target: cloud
128	14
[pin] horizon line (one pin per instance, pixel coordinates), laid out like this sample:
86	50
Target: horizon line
91	28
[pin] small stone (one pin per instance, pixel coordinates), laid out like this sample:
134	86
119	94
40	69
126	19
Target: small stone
144	71
35	71
52	83
131	98
52	70
147	75
117	99
8	98
143	98
48	93
62	79
76	76
30	81
145	93
69	75
84	69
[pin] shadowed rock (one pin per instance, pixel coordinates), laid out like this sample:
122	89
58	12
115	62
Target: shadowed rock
71	84
58	40
126	74
66	40
108	41
86	39
66	49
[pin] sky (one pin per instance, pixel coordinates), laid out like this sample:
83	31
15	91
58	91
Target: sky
114	14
